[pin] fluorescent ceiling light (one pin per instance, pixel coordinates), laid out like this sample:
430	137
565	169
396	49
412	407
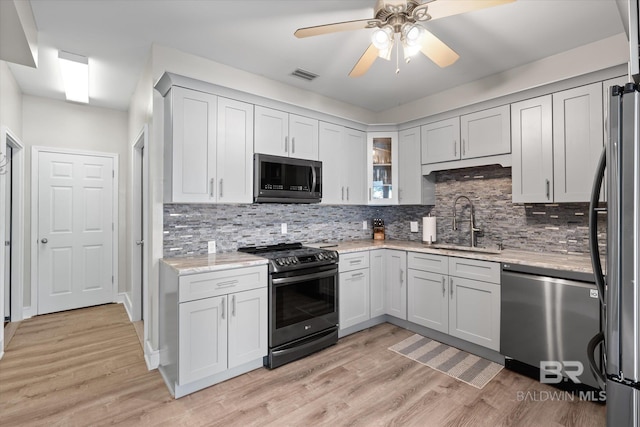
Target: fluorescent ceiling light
75	74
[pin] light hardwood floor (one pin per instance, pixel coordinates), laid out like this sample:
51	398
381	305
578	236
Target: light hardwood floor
86	368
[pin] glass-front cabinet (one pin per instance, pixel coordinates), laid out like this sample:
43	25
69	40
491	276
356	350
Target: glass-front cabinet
382	172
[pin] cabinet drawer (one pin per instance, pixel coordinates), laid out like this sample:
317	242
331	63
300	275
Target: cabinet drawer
473	269
205	285
354	261
428	262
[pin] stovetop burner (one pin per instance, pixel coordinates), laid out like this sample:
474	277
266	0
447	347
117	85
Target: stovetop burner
292	256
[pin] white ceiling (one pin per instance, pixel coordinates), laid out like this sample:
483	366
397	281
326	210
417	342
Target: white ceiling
257	36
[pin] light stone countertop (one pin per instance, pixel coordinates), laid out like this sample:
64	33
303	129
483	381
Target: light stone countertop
222	261
555	261
213	262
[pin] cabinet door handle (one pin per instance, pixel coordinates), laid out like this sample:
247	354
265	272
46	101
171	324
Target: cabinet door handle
224	304
444	289
220	189
463	148
455	148
233	305
401	276
347	193
342	197
451	286
369	193
355	261
286	144
354	275
293	144
548	186
212	185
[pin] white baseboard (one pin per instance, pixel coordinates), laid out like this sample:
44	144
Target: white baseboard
128	306
151	356
28	312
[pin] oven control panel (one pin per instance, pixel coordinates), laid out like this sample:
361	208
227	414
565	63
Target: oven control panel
320	258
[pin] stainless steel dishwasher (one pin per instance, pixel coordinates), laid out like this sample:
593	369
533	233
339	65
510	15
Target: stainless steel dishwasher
548	315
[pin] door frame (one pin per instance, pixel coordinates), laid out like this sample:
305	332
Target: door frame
7	137
139	208
35	157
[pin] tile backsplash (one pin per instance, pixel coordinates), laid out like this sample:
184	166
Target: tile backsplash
558	228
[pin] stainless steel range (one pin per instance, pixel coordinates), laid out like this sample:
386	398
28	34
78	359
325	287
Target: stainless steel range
303	300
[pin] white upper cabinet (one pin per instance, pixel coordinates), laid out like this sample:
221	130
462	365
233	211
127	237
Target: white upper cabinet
441	141
485	133
532	144
355	159
409	171
208	148
382	173
234	152
190	147
282	134
557	140
343	157
578	139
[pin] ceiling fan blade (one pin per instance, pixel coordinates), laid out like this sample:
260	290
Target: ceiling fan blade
365	62
334	28
442	8
437	51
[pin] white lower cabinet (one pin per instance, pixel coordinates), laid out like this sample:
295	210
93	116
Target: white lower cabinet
354	297
474	312
202	350
213	326
427	300
376	282
457	296
395	265
353	302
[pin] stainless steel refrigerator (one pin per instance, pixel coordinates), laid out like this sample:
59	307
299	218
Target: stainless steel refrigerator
619	370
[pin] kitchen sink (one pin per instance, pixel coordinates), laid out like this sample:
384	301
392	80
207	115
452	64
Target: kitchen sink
466	248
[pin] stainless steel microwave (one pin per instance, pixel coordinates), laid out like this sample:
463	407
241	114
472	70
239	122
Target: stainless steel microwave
286	180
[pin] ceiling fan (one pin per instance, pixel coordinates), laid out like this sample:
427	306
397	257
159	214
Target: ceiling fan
398	21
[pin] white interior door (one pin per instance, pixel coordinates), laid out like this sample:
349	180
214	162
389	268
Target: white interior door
75	231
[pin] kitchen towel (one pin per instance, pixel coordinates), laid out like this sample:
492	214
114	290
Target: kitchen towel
429	229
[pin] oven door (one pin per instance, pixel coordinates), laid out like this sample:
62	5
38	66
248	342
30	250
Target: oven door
302	303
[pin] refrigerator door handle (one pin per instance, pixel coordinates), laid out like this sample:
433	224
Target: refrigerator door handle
594	251
598	373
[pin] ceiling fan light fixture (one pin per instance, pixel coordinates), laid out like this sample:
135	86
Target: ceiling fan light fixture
412	34
409	51
382	37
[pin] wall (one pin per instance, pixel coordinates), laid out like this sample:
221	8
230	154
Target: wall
59	124
10	101
561	228
586	59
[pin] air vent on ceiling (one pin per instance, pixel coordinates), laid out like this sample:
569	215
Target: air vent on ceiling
304	74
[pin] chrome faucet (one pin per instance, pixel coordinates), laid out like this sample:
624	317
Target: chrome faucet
472	226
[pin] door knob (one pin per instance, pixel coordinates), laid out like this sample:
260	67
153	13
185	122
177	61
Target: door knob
44	240
140	242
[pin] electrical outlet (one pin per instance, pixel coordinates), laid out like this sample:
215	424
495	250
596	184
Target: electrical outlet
283	228
365	225
414	226
212	247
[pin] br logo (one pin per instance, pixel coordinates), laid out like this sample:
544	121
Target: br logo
553	371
